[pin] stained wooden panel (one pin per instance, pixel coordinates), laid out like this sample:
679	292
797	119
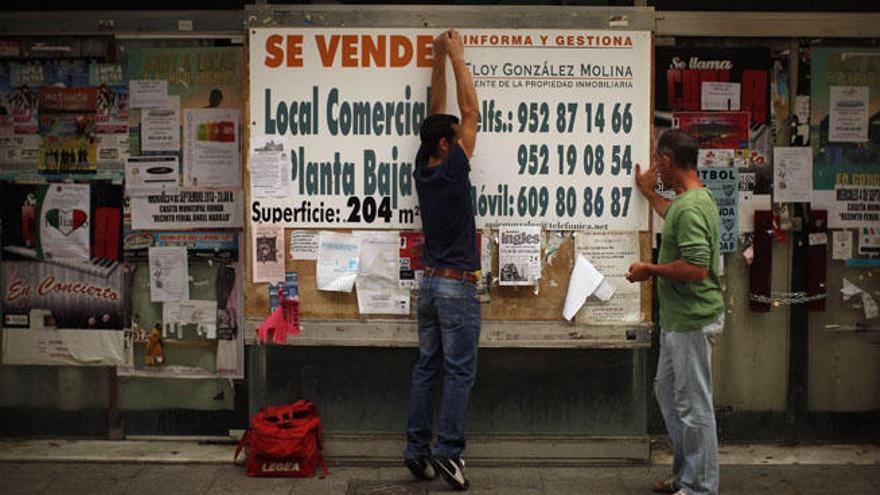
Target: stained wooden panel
506	303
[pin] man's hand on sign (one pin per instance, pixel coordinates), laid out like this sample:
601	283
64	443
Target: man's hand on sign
454	45
440	45
638	272
647	181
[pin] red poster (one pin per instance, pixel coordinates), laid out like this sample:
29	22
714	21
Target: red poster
715	130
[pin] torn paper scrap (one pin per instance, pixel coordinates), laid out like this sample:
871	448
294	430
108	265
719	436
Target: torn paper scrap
869	305
585	279
605	290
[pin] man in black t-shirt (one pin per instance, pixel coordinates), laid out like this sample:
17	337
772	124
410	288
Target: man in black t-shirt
448	308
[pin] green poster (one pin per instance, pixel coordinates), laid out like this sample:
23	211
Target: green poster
839	159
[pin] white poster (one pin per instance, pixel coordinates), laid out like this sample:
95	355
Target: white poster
269	164
169	274
869	241
65	222
716	158
842	245
187	210
519	255
201	313
750	202
848	114
338	257
304	245
212	156
147	93
612	253
854	206
151	175
719	96
112	148
20	149
378	280
268	254
160	126
792	174
565	116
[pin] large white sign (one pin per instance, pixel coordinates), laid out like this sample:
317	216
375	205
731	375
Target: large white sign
564	118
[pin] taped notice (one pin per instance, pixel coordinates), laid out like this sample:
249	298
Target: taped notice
338	258
519	255
612	253
303	245
187	210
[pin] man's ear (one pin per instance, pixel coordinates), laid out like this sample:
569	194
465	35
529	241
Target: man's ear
443	145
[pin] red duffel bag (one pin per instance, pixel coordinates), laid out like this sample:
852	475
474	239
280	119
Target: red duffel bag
284	441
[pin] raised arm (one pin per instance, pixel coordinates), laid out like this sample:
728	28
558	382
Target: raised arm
438	76
467	94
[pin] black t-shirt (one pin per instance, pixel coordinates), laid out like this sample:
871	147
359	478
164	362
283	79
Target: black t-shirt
447	213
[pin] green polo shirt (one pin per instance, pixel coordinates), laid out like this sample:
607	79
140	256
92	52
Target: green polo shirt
690	232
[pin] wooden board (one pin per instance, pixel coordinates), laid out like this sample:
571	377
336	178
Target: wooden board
506	303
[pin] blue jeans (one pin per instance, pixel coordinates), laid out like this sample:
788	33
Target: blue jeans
683	387
449	334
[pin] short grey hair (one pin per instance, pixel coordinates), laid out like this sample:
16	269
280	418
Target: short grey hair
680	146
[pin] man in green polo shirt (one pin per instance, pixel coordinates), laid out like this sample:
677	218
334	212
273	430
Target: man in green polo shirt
691	312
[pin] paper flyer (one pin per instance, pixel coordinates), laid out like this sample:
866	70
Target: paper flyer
64	221
854	207
792	174
869	241
842	245
848	114
268	258
160	127
378	282
291	290
723	184
304	245
67	129
612	253
338	257
412	268
201	313
519	254
151	175
169	274
212	155
716	158
147	93
188	210
719	96
269	165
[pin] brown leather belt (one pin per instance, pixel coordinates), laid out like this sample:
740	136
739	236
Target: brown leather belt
451	273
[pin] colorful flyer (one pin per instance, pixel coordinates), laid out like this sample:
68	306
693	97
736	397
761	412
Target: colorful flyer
212	156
